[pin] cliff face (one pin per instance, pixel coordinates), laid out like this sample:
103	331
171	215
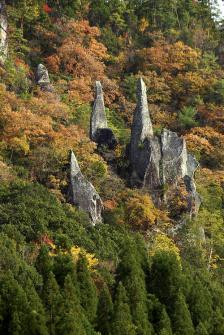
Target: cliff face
160	162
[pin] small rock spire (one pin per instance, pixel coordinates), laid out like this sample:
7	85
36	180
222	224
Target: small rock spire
43	79
98	116
74	165
83	194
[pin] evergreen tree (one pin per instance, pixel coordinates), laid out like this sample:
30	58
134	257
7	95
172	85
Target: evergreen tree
104	311
36	315
44	262
133	278
71	318
187	117
165	278
68	7
200	303
164	324
87	289
182	323
14	307
15	327
63	266
99	12
122	322
200	329
158	316
218	322
53	300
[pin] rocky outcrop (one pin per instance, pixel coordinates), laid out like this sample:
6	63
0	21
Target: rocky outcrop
43	79
3	32
99	131
160	162
82	193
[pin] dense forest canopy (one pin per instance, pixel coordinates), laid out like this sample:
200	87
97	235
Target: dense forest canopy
146	269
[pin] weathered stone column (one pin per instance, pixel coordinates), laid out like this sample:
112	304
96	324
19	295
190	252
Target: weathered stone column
83	194
98	116
142	125
141	133
99	131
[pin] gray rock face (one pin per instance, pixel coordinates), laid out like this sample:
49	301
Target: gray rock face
152	174
160	162
99	131
82	193
142	125
43	79
174	157
141	133
3	32
98	116
194	200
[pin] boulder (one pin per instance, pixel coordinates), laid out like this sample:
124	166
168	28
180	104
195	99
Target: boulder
3	33
43	79
99	131
83	194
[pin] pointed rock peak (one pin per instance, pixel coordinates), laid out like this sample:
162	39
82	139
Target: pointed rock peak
142	117
74	165
98	88
98	116
141	87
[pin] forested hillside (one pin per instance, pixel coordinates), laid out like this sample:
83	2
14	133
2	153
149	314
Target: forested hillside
89	246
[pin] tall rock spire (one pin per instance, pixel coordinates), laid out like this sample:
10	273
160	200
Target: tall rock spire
99	131
83	194
98	116
141	133
3	32
142	125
